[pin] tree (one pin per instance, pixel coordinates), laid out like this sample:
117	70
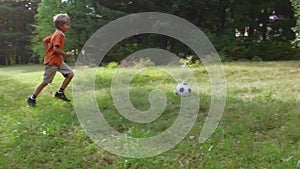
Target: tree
16	18
262	29
86	16
296	29
260	24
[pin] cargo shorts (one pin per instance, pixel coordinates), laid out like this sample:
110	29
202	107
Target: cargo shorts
50	71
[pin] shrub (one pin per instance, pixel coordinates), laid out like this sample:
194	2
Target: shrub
127	63
265	50
112	65
257	59
144	62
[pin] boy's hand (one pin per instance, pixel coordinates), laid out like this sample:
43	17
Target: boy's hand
59	51
68	54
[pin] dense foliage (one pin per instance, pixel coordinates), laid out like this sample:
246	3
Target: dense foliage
238	29
16	18
296	5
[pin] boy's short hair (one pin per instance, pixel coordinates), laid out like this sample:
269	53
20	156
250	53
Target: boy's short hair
60	19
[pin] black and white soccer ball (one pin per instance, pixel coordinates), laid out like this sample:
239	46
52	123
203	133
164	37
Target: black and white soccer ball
183	89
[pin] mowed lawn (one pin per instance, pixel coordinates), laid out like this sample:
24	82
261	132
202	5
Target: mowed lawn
260	126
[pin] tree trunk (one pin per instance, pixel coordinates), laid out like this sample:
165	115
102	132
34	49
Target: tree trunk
222	15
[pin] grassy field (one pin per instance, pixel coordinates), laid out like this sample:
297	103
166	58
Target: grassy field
260	127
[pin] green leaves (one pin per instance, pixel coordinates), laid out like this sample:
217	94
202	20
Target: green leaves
86	17
296	29
16	18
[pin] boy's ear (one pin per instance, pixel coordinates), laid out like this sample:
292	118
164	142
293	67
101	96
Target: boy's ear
59	27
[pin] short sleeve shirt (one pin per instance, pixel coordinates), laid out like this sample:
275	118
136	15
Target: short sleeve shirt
53	58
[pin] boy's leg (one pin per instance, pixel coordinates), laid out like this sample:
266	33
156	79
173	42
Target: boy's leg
39	89
49	74
67	80
68	74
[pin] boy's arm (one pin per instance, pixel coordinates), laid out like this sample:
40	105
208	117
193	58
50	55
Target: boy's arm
59	51
46	42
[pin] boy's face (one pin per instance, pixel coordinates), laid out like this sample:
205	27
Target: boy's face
65	27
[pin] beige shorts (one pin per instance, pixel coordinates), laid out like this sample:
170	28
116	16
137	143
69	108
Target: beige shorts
50	71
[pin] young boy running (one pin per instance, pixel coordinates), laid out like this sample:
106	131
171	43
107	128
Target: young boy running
53	61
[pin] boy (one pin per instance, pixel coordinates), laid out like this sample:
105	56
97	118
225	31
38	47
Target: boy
53	61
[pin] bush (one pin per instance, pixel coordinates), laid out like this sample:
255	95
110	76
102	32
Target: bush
257	59
144	62
112	65
266	50
127	63
271	51
139	63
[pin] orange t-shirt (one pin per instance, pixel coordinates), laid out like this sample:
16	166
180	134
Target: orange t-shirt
53	58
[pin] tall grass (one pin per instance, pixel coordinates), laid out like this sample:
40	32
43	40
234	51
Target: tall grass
259	128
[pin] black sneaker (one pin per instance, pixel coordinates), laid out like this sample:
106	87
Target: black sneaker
62	96
31	102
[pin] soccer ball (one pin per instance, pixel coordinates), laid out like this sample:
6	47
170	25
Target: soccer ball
183	89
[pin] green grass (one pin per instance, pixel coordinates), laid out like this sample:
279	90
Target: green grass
259	128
